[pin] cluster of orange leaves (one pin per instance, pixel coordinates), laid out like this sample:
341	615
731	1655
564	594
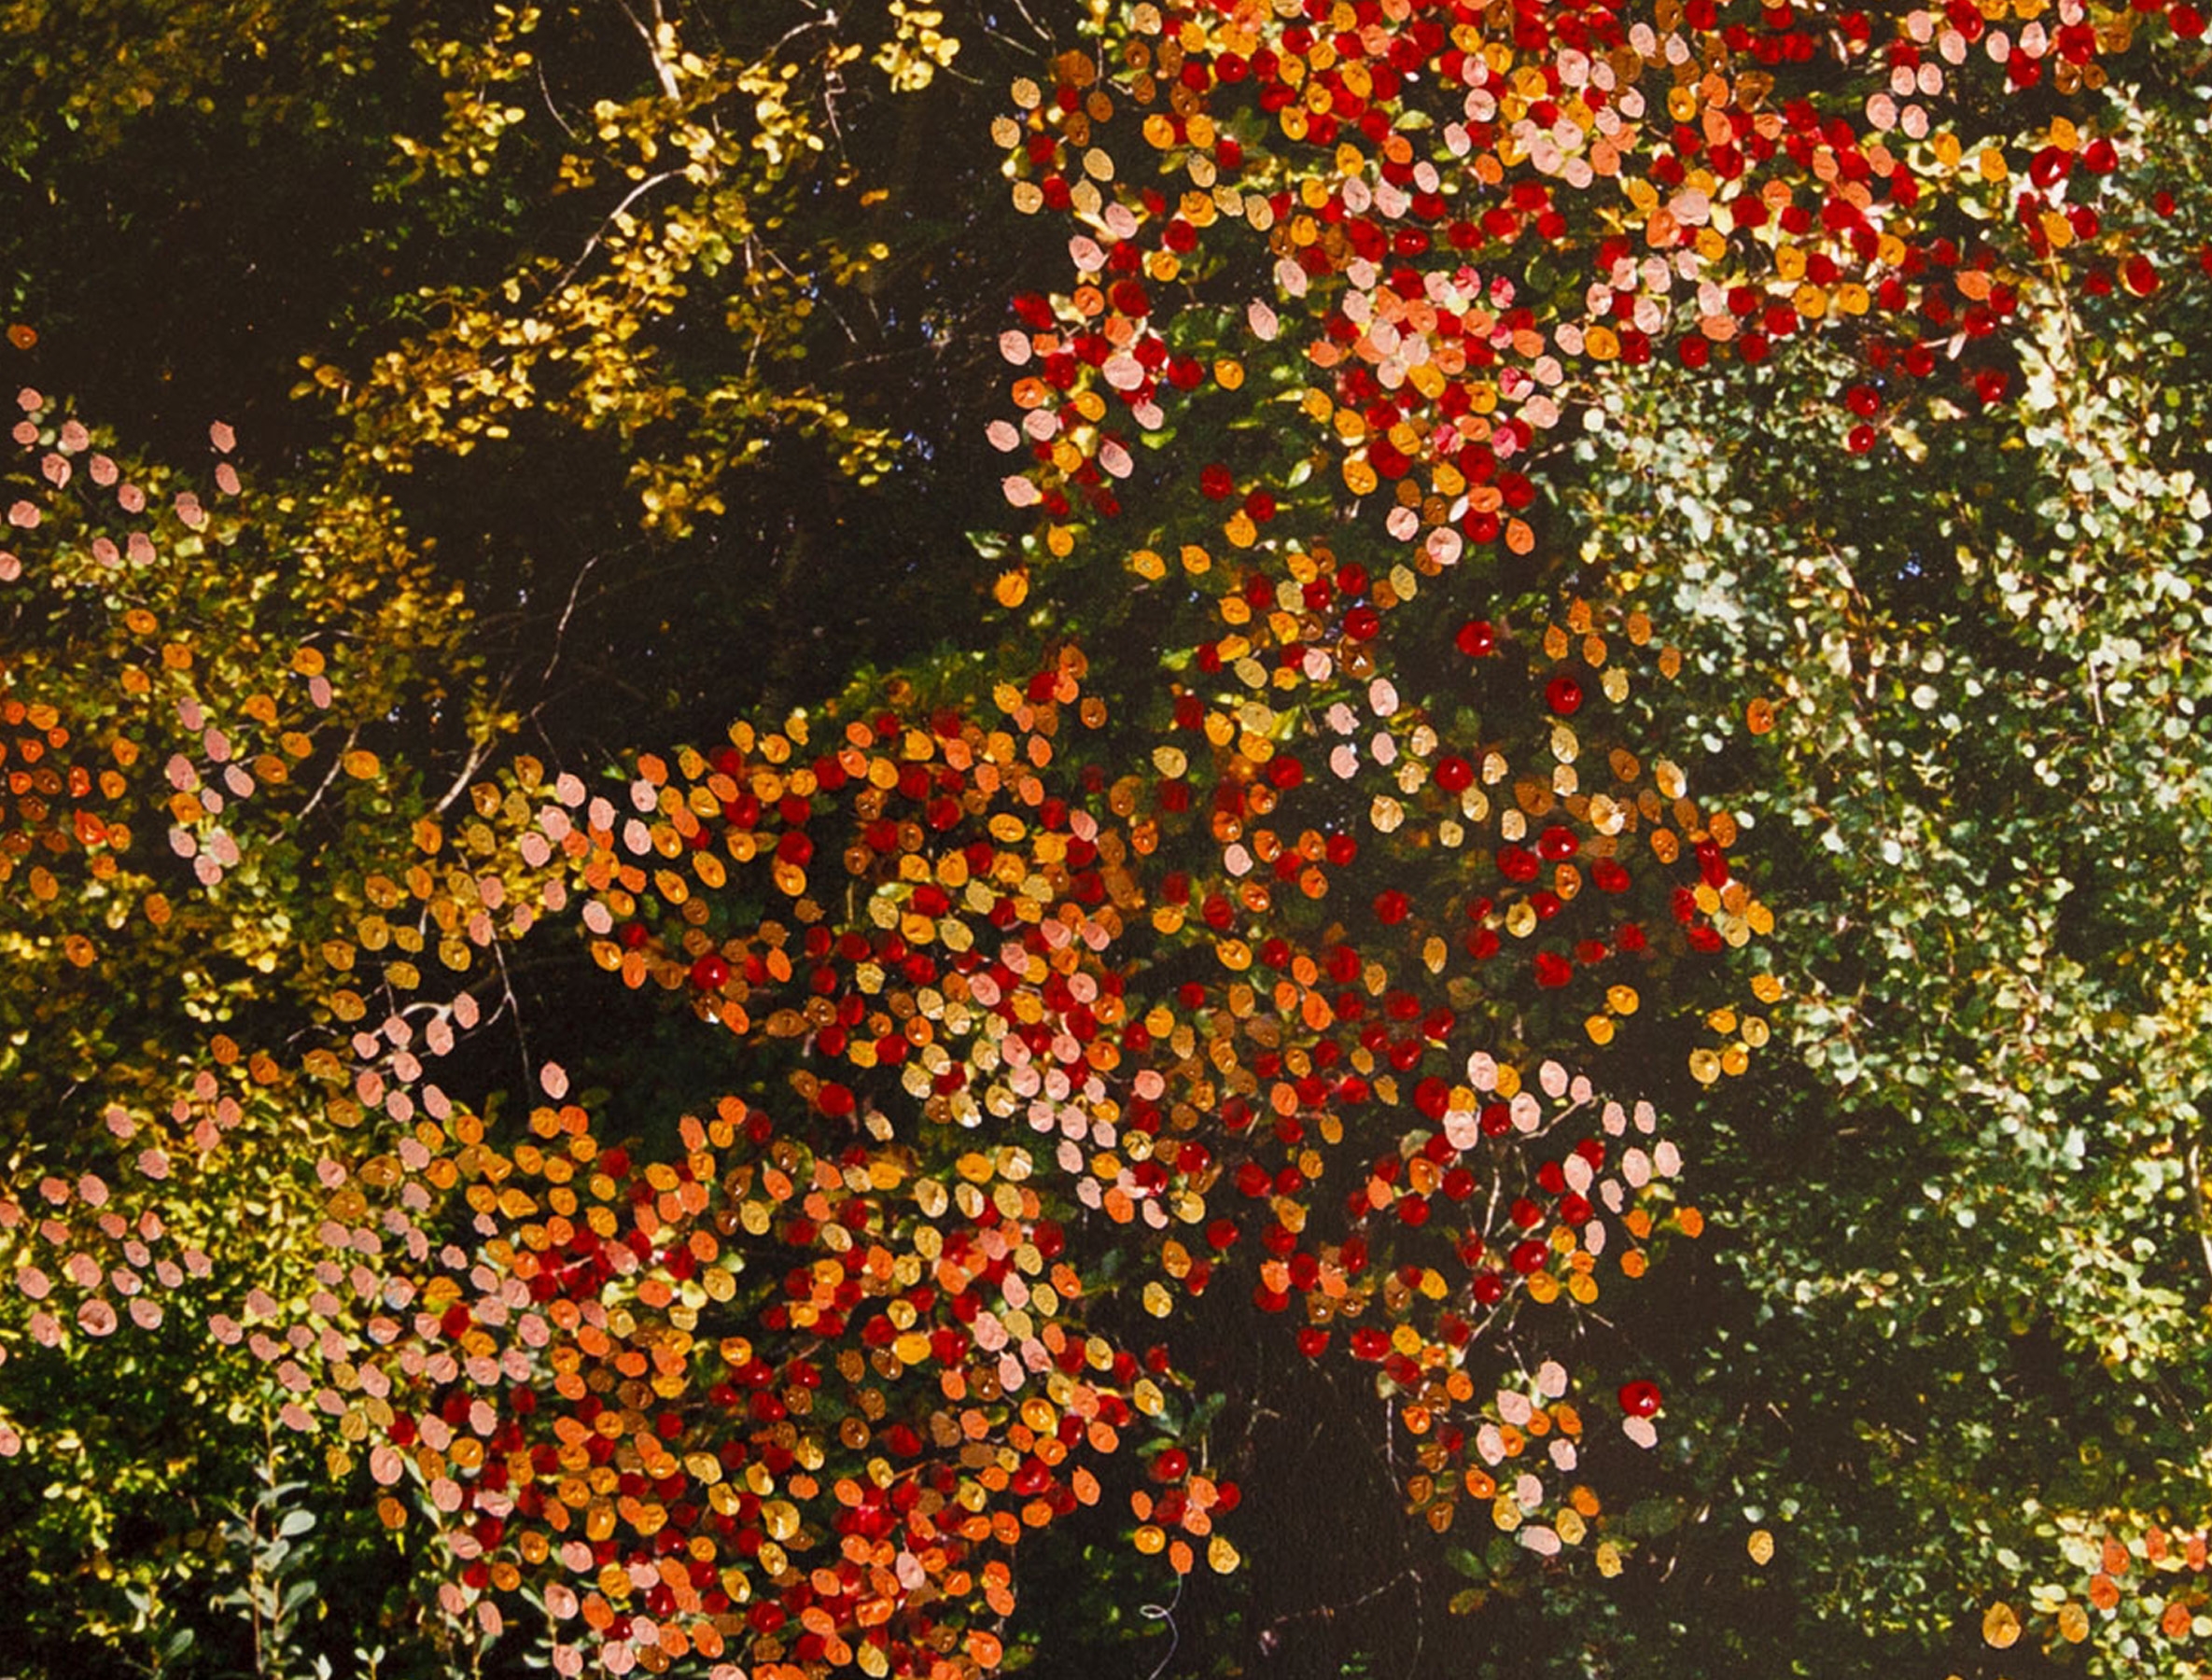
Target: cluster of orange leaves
898	1370
2143	1579
789	1395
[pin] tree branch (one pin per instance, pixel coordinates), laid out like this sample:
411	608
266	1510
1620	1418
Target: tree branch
592	243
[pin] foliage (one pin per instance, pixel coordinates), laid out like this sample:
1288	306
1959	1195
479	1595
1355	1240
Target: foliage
312	195
1301	909
693	182
189	689
1985	737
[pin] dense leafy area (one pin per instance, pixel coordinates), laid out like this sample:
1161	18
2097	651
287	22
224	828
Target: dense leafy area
1205	1004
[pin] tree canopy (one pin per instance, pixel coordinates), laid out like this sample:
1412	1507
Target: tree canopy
1392	660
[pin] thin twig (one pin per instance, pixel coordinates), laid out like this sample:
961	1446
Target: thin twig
1330	1612
545	90
477	754
829	21
1166	1613
522	1037
561	629
592	243
803	282
1042	34
337	764
1421	1619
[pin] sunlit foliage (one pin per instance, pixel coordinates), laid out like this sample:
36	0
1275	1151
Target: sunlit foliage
1306	899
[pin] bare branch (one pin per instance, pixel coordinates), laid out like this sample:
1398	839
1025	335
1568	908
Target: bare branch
545	92
663	71
2201	1193
510	1002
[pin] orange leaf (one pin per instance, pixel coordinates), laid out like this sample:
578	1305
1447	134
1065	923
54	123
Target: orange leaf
2000	1625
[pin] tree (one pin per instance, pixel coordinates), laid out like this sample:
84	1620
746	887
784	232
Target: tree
337	594
1977	727
1326	902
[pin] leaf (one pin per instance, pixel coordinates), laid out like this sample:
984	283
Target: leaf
1466	1563
2000	1625
1649	1518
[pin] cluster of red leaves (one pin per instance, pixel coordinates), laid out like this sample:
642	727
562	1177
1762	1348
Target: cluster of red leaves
1472	209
